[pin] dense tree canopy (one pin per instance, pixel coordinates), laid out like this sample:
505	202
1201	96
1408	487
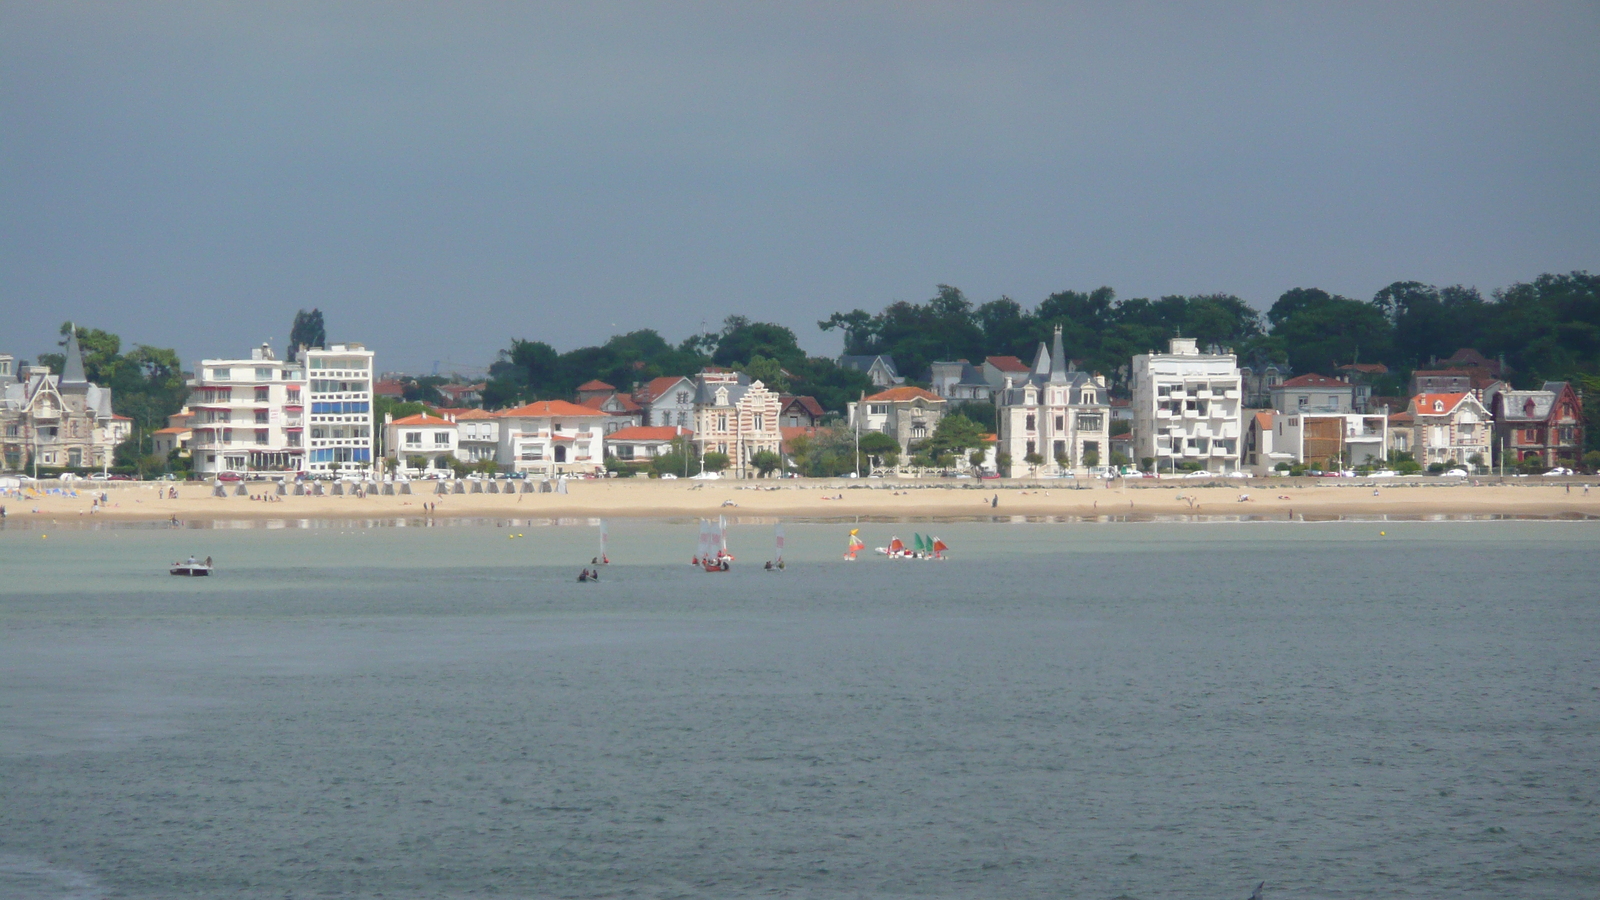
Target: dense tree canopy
146	383
308	330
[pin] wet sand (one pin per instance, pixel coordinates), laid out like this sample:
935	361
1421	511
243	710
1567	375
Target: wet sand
847	498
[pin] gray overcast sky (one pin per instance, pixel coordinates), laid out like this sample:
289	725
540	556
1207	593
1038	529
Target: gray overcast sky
441	178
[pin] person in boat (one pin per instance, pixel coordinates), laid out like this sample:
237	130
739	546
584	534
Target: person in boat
694	560
769	565
191	560
208	562
724	564
583	576
594	574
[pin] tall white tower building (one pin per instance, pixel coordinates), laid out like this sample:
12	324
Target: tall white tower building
1186	408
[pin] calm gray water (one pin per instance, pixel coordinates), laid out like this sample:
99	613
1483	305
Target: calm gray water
1099	711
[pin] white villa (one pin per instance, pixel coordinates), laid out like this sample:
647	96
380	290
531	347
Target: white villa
431	439
551	437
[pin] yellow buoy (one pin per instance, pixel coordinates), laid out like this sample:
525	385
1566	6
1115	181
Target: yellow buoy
1383	534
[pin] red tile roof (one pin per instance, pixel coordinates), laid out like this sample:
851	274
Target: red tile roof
628	404
1365	368
474	414
389	389
545	409
649	433
905	392
1006	363
1312	380
171	430
1422	404
595	385
655	387
424	419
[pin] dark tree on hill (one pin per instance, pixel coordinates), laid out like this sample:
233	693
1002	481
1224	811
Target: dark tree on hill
308	330
1321	331
742	340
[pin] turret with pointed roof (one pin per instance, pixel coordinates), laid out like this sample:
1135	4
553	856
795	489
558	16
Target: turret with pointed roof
72	363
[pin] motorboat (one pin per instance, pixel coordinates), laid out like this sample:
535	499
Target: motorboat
191	567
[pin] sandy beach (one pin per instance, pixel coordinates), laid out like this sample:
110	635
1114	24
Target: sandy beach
846	498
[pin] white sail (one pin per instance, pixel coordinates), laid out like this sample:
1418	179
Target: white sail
603	536
722	535
778	537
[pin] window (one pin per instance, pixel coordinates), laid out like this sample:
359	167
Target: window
12	430
1061	423
1030	425
263	374
263	394
683	418
1060	449
1090	421
294	438
683	398
1031	448
756	422
441	438
1438	406
1302	401
261	436
722	423
261	417
878	409
624	451
919	431
294	396
413	438
221	374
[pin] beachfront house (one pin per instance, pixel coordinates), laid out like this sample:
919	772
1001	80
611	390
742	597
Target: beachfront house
1323	440
1453	429
477	435
1057	415
642	443
422	442
667	401
1186	409
1544	425
907	414
736	416
551	437
56	420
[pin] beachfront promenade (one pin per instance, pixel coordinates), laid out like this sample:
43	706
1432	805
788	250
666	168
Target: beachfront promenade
842	498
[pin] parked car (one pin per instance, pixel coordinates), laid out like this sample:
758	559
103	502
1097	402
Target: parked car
229	476
1456	473
120	476
1558	472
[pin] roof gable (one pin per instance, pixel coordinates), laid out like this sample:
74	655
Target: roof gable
546	408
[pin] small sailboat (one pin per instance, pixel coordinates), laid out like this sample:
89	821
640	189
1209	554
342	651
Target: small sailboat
918	547
714	556
853	544
896	548
777	539
603	559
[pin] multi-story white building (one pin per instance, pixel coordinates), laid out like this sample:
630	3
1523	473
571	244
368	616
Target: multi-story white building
1322	439
338	405
246	415
551	437
1186	408
1055	413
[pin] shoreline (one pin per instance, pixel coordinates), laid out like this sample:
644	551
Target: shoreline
836	501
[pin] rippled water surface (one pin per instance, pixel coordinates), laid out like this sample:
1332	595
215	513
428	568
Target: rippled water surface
1138	711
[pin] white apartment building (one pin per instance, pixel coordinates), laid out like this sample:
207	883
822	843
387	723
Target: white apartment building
247	415
338	397
1186	408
